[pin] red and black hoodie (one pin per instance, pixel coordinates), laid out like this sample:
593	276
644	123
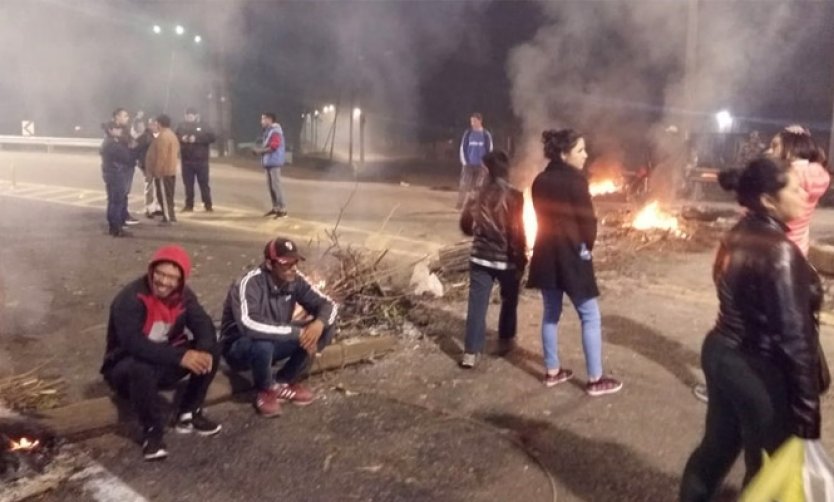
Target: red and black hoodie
155	330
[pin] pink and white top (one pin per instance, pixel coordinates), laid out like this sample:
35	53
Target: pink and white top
814	179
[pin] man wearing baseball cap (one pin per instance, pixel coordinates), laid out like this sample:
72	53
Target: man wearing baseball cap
258	330
148	348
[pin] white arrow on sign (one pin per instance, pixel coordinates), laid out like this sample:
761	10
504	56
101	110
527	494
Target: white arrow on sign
27	128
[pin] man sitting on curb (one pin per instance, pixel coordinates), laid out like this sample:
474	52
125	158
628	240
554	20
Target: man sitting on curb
258	329
148	348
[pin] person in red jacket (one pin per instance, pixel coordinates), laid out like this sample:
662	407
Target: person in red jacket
148	348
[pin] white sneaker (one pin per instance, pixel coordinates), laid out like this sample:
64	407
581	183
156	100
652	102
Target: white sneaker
468	360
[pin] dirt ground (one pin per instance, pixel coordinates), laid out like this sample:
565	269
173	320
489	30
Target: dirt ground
409	426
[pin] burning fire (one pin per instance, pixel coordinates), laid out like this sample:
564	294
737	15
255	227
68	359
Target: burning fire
651	217
24	444
529	215
603	187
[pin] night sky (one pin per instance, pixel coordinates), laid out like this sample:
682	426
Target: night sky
417	66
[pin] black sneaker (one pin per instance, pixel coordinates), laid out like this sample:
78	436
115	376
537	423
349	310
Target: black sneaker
187	209
148	215
271	212
209	209
196	422
153	447
280	214
120	233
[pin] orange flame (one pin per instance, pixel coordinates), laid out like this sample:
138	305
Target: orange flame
529	215
603	187
24	444
652	217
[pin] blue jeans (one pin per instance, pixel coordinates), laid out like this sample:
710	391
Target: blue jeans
591	320
259	356
481	280
116	186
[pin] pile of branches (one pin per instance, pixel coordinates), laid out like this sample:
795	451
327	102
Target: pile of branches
28	392
360	281
452	266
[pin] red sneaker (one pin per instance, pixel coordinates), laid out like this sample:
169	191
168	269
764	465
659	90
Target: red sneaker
297	394
603	386
267	403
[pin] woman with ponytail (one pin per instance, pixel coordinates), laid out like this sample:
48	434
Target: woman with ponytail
762	361
562	261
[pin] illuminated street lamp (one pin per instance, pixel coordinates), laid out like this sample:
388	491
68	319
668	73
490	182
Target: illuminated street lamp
724	120
357	113
316	113
197	39
179	30
157	29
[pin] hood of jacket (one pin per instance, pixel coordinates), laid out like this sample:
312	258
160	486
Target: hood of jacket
172	254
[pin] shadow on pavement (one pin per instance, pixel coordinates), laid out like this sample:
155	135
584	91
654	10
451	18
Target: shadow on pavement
590	469
670	354
446	329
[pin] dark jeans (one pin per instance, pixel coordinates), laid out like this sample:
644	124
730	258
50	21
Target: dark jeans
200	171
140	382
259	356
128	178
471	179
747	409
165	196
480	288
114	183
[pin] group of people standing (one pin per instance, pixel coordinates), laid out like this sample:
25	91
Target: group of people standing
764	366
157	151
561	262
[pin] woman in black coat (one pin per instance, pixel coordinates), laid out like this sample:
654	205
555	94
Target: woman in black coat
562	262
762	360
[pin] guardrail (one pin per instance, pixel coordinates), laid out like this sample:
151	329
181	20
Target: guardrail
49	142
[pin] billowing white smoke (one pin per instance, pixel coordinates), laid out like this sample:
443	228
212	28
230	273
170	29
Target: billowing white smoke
617	68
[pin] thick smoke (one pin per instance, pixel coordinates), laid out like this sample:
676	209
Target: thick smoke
617	69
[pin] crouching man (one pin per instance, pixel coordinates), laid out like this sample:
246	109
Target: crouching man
258	329
148	348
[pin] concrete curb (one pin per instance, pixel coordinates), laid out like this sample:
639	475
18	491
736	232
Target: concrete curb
100	413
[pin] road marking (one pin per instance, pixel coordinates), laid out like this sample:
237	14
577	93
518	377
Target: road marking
233	218
104	486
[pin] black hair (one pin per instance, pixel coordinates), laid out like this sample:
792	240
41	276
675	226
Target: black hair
477	115
800	145
163	120
764	175
558	142
118	111
497	163
270	116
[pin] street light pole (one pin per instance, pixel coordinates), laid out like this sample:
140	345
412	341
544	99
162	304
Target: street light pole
691	64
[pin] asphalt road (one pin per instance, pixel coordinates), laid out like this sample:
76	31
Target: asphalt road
411	220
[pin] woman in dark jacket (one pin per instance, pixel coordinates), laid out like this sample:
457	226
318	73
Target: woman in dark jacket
494	219
762	360
562	262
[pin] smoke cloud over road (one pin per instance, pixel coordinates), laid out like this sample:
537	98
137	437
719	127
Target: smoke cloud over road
616	70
